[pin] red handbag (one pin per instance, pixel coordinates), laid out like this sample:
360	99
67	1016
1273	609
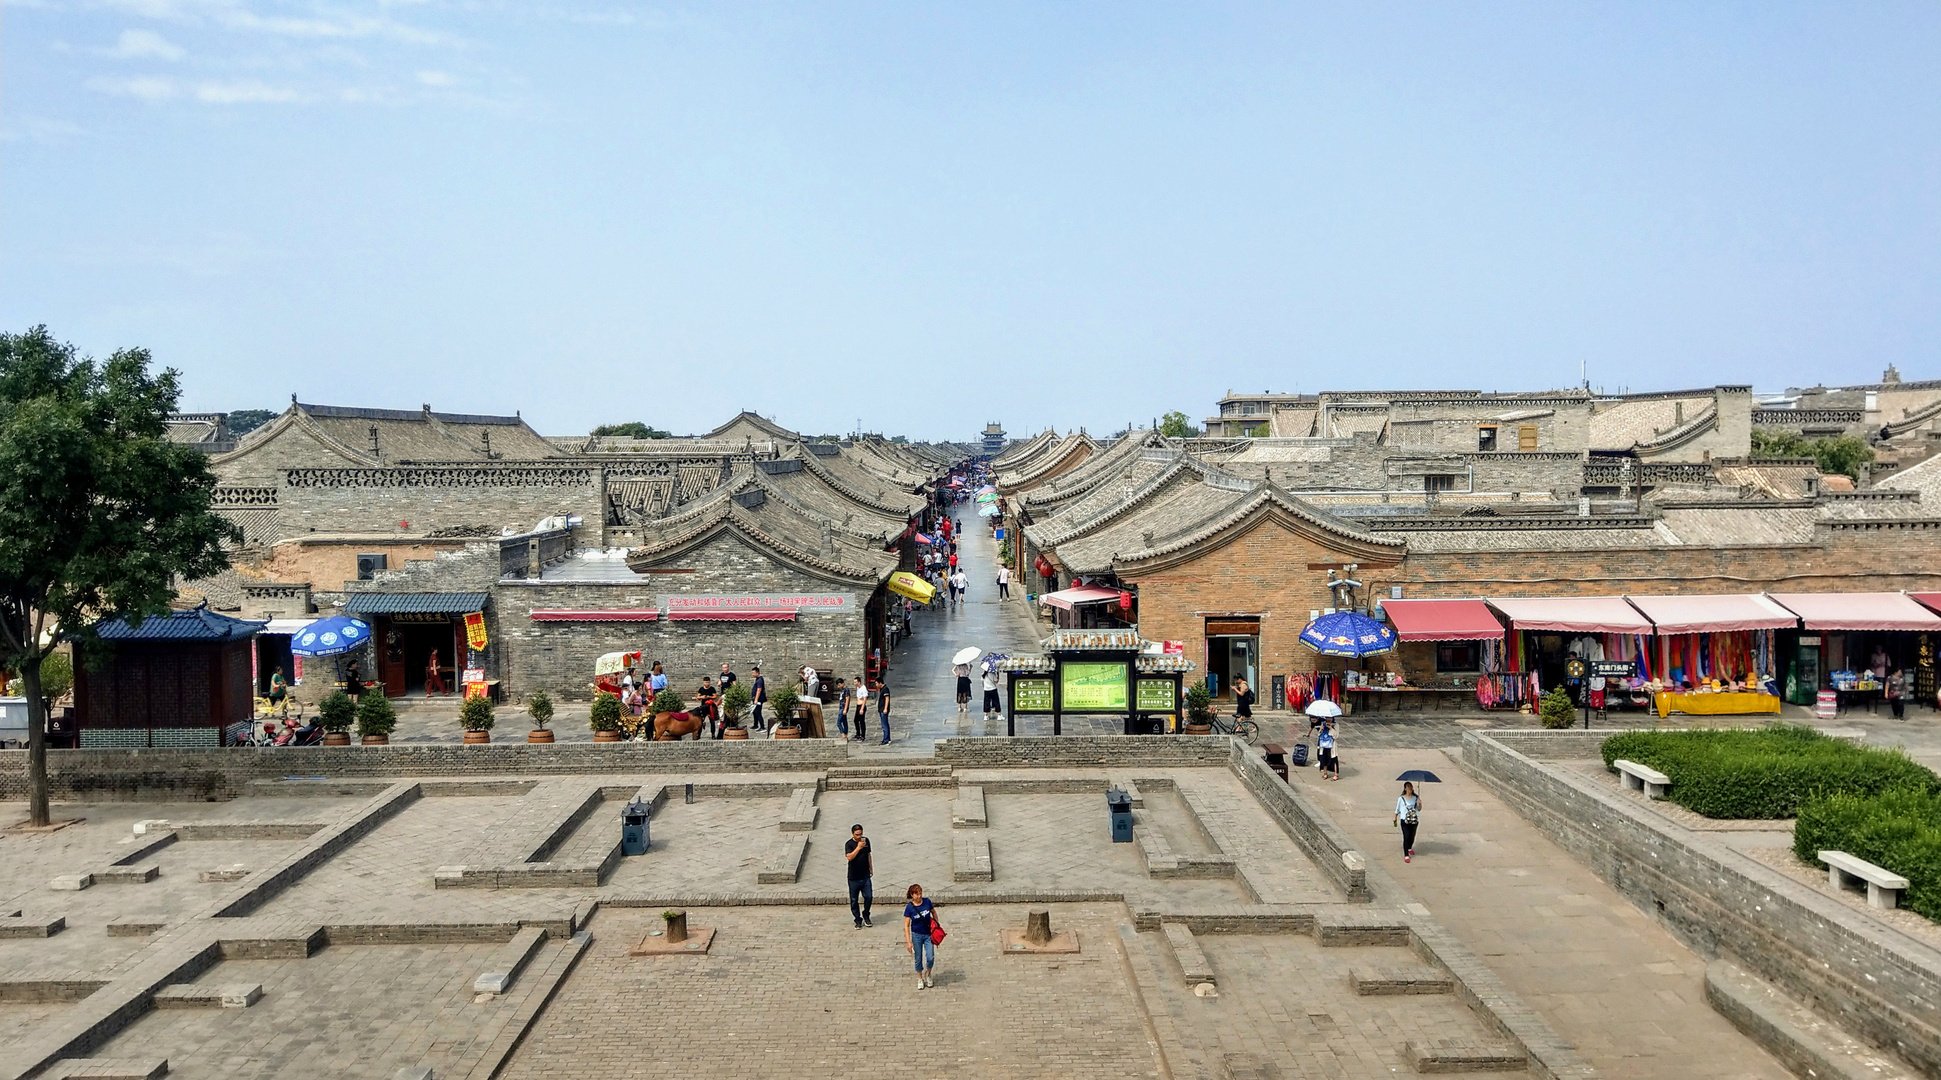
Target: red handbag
936	933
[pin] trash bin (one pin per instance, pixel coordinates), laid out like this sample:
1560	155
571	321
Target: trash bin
1119	804
1276	756
633	829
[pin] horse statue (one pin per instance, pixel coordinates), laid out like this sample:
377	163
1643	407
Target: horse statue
678	725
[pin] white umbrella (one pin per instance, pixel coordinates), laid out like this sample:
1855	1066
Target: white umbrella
1322	708
966	654
614	663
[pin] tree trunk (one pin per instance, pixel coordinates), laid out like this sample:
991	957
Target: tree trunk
37	812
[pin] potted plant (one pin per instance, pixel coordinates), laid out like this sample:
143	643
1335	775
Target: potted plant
783	700
476	716
1556	709
605	718
539	706
376	718
1199	710
733	704
334	714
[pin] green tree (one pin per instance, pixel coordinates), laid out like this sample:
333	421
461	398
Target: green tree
632	429
99	513
1838	455
1175	425
243	421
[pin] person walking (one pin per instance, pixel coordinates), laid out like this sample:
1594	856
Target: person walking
919	924
1892	688
1243	701
710	715
727	678
1003	583
991	704
883	710
856	854
842	708
862	708
963	673
1408	814
959	584
758	689
657	681
1324	744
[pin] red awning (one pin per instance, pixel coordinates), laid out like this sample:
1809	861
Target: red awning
735	615
1928	599
648	615
1859	611
1575	614
1442	620
1713	614
1066	599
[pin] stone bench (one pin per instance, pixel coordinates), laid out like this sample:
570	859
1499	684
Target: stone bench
970	856
1450	1055
20	924
509	961
189	996
781	862
800	814
1883	886
1192	959
1636	777
1383	981
967	810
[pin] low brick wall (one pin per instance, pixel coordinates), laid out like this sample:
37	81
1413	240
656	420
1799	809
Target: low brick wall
1875	982
180	775
1100	751
1309	827
1562	745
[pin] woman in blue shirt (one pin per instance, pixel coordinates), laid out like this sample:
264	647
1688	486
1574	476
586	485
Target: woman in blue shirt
919	915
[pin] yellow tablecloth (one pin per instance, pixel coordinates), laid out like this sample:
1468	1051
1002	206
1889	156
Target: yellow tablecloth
1716	704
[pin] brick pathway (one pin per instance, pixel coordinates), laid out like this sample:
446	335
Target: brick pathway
1607	978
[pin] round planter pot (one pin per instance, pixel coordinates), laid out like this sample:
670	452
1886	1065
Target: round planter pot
539	736
1199	729
377	740
473	738
606	736
734	733
788	732
336	738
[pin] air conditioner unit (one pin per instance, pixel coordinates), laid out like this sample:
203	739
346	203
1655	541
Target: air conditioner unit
369	565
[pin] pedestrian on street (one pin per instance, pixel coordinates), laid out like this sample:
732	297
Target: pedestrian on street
953	559
960	584
919	919
705	698
862	708
657	681
963	673
1324	743
856	854
1408	814
759	690
1892	688
883	710
842	707
990	691
727	678
1003	583
1243	701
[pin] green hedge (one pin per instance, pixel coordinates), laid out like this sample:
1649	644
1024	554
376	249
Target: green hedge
1765	773
1897	830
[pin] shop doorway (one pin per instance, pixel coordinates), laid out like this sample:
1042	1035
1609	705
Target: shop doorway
408	649
1230	657
272	653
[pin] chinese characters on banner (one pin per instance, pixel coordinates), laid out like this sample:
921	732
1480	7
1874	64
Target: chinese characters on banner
475	630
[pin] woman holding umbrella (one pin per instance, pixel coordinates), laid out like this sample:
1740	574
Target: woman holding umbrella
1408	814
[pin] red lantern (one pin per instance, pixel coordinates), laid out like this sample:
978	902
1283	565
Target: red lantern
1044	567
1125	599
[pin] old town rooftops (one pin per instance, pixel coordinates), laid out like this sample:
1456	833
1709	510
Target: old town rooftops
773	527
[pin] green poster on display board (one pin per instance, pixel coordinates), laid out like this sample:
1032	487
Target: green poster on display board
1031	696
1093	687
1157	695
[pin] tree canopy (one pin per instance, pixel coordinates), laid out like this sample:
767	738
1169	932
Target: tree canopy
632	429
100	514
1841	454
1175	425
244	421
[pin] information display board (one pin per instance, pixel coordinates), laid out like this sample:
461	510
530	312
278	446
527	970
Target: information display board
1158	696
1032	695
1093	687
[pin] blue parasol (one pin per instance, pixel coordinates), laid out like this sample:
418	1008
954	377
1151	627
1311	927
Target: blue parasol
330	637
1348	633
1420	776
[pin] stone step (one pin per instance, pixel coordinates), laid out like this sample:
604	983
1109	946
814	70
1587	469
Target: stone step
1448	1056
782	859
1791	1031
1192	959
888	783
914	769
970	856
189	996
111	1068
509	961
800	814
1411	979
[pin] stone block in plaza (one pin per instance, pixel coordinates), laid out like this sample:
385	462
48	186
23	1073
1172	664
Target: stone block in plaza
25	925
1360	928
970	856
190	996
781	862
967	810
800	814
137	925
1192	959
128	875
112	1069
71	882
1450	1056
1416	979
509	961
236	872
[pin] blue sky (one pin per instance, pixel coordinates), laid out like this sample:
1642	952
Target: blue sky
925	217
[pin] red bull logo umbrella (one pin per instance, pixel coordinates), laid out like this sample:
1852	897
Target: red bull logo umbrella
1349	634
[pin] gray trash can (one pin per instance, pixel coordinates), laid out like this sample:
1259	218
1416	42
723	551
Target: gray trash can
633	829
1119	805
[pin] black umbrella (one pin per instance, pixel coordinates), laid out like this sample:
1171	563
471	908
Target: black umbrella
1420	776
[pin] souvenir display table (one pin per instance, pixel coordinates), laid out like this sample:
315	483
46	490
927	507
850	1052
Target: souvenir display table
1710	703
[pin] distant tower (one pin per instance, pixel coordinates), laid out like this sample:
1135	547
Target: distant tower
993	438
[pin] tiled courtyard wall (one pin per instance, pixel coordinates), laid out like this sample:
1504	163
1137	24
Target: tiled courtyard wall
1874	982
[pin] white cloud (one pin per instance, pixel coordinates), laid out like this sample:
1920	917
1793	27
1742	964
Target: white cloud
436	78
147	89
245	92
140	44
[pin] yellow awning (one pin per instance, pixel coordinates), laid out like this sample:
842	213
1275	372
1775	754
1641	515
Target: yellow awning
904	583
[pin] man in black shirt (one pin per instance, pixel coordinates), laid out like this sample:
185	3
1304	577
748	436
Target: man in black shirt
856	852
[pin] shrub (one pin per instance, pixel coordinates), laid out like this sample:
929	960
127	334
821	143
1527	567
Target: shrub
375	715
476	714
1199	704
1556	709
539	706
1897	830
668	700
336	711
1767	773
56	676
734	703
605	715
782	700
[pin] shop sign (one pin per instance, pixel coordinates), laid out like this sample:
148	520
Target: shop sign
1031	695
421	617
801	603
1093	687
1614	669
475	631
1158	695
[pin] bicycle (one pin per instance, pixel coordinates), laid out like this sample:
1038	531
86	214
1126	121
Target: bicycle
1247	730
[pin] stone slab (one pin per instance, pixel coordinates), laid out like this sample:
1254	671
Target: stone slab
699	941
137	925
508	962
20	925
800	814
222	874
967	811
1374	981
781	862
1192	959
113	1069
970	856
1363	927
192	996
71	882
128	875
1449	1056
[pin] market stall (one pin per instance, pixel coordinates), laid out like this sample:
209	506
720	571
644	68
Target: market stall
1451	657
1713	655
1550	631
1852	642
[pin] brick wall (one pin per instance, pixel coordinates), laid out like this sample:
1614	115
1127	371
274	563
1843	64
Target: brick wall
435	497
328	564
1874	982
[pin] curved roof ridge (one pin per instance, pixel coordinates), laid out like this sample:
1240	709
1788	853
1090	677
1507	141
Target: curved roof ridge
1093	471
815	465
774	429
294	416
1706	420
1264	495
1139	495
787	498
